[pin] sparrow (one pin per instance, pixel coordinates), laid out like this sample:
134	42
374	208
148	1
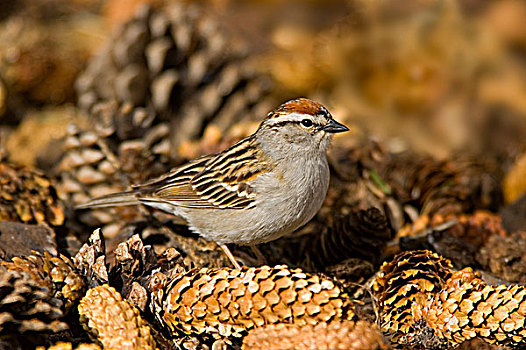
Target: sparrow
263	187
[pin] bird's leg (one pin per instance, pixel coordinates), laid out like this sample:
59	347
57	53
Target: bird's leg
259	255
230	256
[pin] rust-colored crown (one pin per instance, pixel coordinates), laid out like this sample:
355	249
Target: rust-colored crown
300	105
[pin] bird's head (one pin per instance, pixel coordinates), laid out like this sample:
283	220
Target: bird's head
300	122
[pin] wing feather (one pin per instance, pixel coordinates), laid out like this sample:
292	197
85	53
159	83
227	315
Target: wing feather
219	181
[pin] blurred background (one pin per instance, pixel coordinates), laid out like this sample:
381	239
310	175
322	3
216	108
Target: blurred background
437	77
148	84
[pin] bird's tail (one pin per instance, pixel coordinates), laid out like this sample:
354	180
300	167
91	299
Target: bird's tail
111	200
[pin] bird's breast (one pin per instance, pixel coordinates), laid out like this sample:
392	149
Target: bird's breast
294	195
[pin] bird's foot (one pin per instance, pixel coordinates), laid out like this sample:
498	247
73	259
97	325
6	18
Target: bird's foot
261	260
230	256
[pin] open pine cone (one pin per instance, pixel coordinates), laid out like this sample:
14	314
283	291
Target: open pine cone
164	77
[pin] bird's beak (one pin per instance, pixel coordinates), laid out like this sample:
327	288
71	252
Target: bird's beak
335	127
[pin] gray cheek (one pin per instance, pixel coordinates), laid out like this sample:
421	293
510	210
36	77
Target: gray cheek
287	137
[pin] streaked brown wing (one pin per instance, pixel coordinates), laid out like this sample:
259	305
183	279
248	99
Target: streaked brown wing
225	180
220	181
175	187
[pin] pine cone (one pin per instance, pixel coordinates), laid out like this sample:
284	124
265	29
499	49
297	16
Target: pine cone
57	274
193	250
134	264
345	335
95	164
479	344
69	346
422	303
403	186
91	260
476	228
457	237
410	278
354	182
228	302
467	307
505	256
50	53
361	234
351	273
171	61
440	187
114	321
133	259
27	304
28	196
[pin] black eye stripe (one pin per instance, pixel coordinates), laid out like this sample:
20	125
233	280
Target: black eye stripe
293	122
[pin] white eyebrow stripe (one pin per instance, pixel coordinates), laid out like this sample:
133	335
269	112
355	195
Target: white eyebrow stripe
292	117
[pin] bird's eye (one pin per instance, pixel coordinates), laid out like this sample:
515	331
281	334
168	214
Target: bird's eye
306	123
